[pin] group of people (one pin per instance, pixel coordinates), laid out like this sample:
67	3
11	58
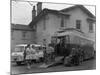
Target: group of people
48	54
50	51
28	55
54	49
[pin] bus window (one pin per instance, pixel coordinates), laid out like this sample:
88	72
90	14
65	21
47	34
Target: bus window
67	39
53	40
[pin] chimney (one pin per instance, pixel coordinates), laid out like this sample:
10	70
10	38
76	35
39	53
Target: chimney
39	7
33	13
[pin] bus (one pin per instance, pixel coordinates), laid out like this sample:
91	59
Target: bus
66	42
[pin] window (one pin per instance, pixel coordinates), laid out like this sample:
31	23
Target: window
12	34
67	39
23	35
78	24
90	27
35	27
62	22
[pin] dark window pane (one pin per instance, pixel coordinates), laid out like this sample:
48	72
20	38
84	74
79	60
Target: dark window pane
24	34
12	34
62	22
78	24
90	27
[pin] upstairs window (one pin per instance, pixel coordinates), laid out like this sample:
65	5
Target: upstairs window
12	34
35	27
24	35
78	24
90	27
62	22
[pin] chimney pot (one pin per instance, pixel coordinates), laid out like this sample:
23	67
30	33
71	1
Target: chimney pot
33	7
39	7
33	13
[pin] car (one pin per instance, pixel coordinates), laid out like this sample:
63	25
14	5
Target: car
35	56
18	55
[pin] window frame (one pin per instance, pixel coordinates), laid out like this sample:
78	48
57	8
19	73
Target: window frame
78	24
12	34
91	27
62	21
24	35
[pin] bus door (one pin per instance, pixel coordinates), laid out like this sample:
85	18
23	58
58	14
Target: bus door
60	45
67	45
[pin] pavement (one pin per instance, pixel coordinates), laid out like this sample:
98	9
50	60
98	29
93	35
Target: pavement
22	69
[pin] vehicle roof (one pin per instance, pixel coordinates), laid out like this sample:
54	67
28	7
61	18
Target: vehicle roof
22	45
75	34
36	45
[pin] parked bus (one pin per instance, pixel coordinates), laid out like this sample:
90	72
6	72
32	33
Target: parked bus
69	43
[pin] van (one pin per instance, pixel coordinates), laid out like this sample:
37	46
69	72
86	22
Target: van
18	55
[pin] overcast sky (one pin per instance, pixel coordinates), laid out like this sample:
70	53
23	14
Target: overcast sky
22	11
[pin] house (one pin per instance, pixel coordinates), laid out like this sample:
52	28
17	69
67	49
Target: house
48	21
21	34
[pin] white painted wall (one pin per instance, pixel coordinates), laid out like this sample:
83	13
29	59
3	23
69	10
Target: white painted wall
53	23
78	14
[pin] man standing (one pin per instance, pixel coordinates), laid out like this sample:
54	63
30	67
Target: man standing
50	52
45	53
28	52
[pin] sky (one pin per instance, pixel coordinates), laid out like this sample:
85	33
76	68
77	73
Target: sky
21	12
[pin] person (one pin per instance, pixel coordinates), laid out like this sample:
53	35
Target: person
44	50
45	42
45	56
28	52
49	51
76	56
25	53
52	46
57	49
61	47
81	55
33	49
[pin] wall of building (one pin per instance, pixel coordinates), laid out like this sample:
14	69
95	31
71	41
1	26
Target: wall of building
78	14
17	37
53	23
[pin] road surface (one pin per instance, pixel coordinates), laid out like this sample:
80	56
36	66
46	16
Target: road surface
22	69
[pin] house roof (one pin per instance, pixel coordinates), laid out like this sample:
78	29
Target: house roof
61	12
21	27
44	12
81	7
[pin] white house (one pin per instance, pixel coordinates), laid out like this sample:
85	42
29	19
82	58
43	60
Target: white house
48	21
